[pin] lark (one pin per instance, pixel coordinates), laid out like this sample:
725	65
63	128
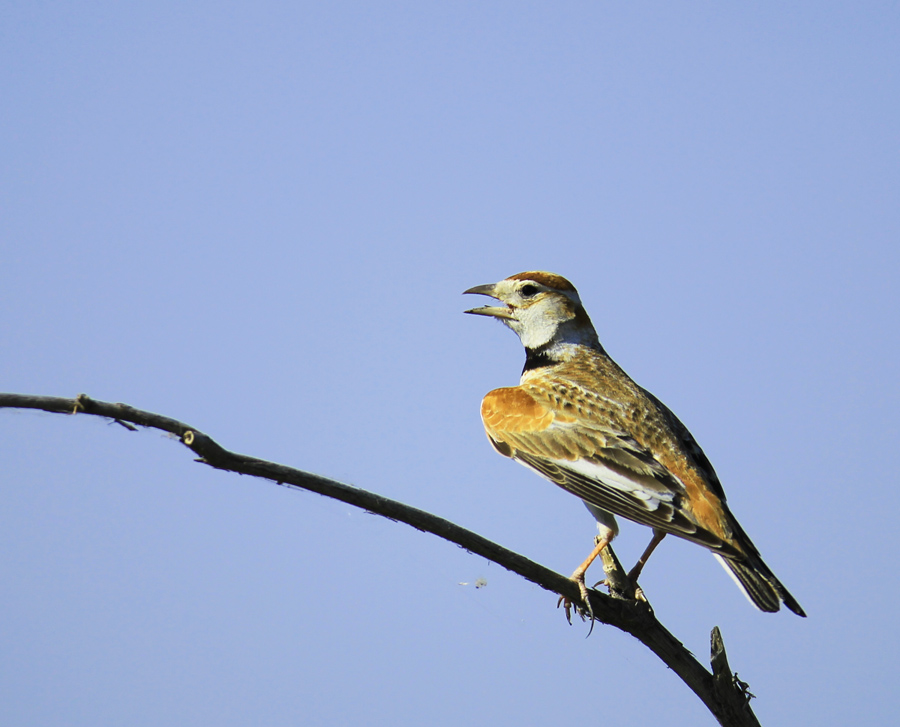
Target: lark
577	419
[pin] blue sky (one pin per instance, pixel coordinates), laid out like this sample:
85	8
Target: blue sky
258	218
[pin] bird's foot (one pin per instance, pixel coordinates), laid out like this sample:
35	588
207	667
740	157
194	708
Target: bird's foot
633	576
584	609
567	605
633	592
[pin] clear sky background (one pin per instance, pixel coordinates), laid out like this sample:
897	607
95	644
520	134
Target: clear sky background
258	218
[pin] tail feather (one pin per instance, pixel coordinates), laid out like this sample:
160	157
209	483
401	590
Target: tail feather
759	584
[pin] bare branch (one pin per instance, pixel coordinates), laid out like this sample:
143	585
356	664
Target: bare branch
724	695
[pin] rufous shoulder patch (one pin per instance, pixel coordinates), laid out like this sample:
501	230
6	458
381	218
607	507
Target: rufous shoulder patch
514	410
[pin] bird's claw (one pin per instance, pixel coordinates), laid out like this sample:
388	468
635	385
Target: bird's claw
638	592
584	610
567	605
633	575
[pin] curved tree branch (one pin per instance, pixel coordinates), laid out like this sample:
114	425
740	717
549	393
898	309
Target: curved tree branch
724	695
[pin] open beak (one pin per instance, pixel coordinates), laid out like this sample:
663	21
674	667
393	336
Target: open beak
488	310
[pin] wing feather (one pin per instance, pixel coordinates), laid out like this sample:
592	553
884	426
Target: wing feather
592	459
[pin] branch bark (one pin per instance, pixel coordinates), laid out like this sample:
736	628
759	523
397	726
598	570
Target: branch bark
725	696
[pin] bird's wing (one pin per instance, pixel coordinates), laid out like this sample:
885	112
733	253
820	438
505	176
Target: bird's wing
594	459
689	445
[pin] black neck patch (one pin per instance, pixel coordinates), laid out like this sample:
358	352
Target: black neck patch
538	358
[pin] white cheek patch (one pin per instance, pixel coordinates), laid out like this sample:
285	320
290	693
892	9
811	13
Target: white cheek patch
651	499
535	328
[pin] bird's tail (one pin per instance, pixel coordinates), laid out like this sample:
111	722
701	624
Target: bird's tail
759	584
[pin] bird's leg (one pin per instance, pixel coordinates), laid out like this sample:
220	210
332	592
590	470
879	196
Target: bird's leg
627	585
635	572
578	577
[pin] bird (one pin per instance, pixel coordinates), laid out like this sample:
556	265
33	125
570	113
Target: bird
577	419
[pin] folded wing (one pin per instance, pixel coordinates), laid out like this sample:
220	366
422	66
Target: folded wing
590	458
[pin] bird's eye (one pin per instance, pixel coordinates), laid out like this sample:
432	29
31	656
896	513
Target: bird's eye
529	290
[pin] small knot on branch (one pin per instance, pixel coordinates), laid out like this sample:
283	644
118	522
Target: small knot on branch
81	403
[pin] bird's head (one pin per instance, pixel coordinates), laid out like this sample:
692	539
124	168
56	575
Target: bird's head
542	308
